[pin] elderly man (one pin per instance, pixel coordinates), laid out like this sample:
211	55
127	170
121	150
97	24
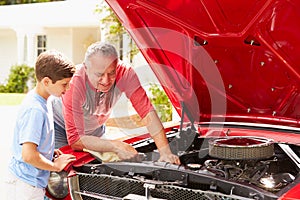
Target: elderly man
86	106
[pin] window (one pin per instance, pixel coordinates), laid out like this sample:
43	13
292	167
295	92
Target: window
41	44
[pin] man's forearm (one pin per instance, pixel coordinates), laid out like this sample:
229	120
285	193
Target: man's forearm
94	143
123	150
161	142
157	132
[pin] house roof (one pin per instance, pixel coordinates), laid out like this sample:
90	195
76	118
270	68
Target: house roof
69	13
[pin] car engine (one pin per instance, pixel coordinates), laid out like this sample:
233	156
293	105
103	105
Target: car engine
211	168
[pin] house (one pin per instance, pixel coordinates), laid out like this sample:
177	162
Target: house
28	29
69	26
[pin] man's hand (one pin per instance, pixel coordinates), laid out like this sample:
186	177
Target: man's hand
169	157
158	134
124	150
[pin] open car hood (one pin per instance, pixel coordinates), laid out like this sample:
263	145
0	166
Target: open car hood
222	60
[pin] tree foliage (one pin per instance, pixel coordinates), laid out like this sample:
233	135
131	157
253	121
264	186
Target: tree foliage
110	21
115	28
161	103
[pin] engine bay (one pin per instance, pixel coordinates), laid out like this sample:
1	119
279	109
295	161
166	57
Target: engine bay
250	168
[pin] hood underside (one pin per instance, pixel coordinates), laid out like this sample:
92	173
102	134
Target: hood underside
222	60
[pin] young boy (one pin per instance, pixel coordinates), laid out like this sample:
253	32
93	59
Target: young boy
33	142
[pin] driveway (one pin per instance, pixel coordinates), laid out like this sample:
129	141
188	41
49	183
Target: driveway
7	120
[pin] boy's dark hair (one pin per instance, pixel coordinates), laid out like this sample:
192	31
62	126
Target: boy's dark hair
54	65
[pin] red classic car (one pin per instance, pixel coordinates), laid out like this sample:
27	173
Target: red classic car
232	71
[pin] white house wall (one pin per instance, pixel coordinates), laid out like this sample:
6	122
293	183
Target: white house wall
8	52
82	38
60	39
68	26
73	42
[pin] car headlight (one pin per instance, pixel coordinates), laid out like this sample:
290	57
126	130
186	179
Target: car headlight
58	184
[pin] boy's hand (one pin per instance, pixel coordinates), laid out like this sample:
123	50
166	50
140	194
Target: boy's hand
62	160
57	153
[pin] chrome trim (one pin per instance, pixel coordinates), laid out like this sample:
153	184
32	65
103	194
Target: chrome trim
74	187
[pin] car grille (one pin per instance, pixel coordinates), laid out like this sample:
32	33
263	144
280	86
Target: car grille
101	186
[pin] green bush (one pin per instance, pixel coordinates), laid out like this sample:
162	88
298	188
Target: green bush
18	79
161	102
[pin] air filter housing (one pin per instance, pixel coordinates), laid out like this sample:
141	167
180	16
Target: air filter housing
240	148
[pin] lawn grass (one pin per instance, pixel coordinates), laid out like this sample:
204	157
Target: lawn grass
11	99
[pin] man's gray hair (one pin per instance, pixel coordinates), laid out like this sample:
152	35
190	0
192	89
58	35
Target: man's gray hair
102	48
